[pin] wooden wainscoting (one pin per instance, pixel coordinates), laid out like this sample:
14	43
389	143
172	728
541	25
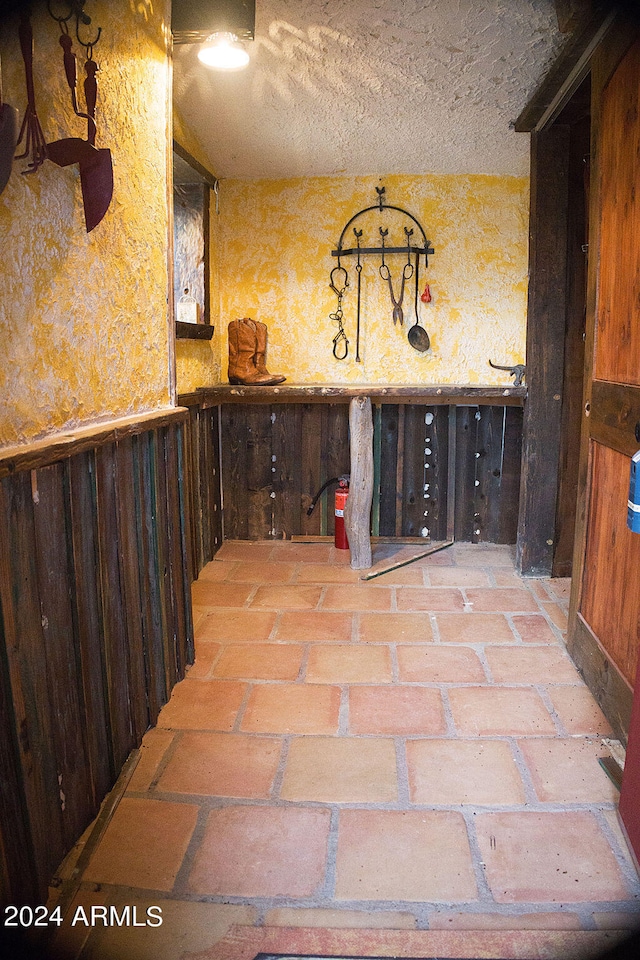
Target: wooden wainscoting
95	623
275	457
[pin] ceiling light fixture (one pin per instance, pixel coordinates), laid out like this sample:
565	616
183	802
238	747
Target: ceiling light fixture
223	51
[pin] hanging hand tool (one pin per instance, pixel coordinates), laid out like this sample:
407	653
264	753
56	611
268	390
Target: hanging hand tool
407	272
96	172
31	131
418	336
340	336
358	234
8	137
70	150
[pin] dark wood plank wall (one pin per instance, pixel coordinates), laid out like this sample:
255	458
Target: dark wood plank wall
545	349
276	457
95	622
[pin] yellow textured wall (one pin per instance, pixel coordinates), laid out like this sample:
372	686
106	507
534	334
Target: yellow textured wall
276	242
198	361
84	317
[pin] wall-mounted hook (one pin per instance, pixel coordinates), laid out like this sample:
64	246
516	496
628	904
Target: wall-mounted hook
76	9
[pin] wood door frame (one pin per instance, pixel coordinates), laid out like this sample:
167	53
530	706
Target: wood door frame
609	414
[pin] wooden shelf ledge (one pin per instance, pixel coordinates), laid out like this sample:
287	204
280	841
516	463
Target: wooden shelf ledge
60	446
455	394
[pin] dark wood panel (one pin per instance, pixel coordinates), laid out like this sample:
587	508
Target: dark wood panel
234	472
617	356
491	428
573	381
545	349
114	617
259	476
62	654
413	502
310	465
18	871
506	530
436	455
286	470
310	445
130	586
150	599
95	624
611	595
390	497
335	459
89	621
27	661
466	472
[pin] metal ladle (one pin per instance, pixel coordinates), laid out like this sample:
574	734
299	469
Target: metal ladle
417	335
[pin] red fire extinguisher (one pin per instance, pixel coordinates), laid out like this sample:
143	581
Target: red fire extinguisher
342	492
340	534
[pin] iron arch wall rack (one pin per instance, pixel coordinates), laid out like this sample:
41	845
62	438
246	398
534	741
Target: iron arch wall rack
426	249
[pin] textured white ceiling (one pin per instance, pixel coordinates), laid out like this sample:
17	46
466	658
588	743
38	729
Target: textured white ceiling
361	87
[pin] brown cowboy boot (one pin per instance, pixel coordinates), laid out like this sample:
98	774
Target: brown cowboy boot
242	349
261	350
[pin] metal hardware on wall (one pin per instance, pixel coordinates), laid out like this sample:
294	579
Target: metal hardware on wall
193	21
418	337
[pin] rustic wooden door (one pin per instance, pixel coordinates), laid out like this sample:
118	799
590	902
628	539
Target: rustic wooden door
604	632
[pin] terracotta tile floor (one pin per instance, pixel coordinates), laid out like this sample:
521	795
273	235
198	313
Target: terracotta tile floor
414	755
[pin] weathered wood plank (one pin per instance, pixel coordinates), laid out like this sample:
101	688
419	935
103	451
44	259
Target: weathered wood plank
466	472
545	349
334	453
436	444
40	453
329	393
286	471
260	503
113	612
506	530
234	472
413	502
149	576
18	873
357	512
389	504
130	585
88	613
27	664
310	465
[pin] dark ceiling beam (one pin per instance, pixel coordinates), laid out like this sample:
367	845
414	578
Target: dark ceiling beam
591	21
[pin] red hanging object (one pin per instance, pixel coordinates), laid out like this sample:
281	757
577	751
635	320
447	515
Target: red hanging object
426	294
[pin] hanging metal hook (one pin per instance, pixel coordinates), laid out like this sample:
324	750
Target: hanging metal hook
76	9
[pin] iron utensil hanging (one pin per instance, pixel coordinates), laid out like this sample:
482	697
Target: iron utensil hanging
385	273
359	272
417	335
70	150
337	315
8	137
96	172
35	145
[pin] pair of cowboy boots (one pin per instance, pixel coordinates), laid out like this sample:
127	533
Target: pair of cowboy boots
247	352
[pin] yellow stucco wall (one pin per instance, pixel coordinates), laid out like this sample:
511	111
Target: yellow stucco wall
275	259
198	361
84	317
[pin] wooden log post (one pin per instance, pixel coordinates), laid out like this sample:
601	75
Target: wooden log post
357	513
